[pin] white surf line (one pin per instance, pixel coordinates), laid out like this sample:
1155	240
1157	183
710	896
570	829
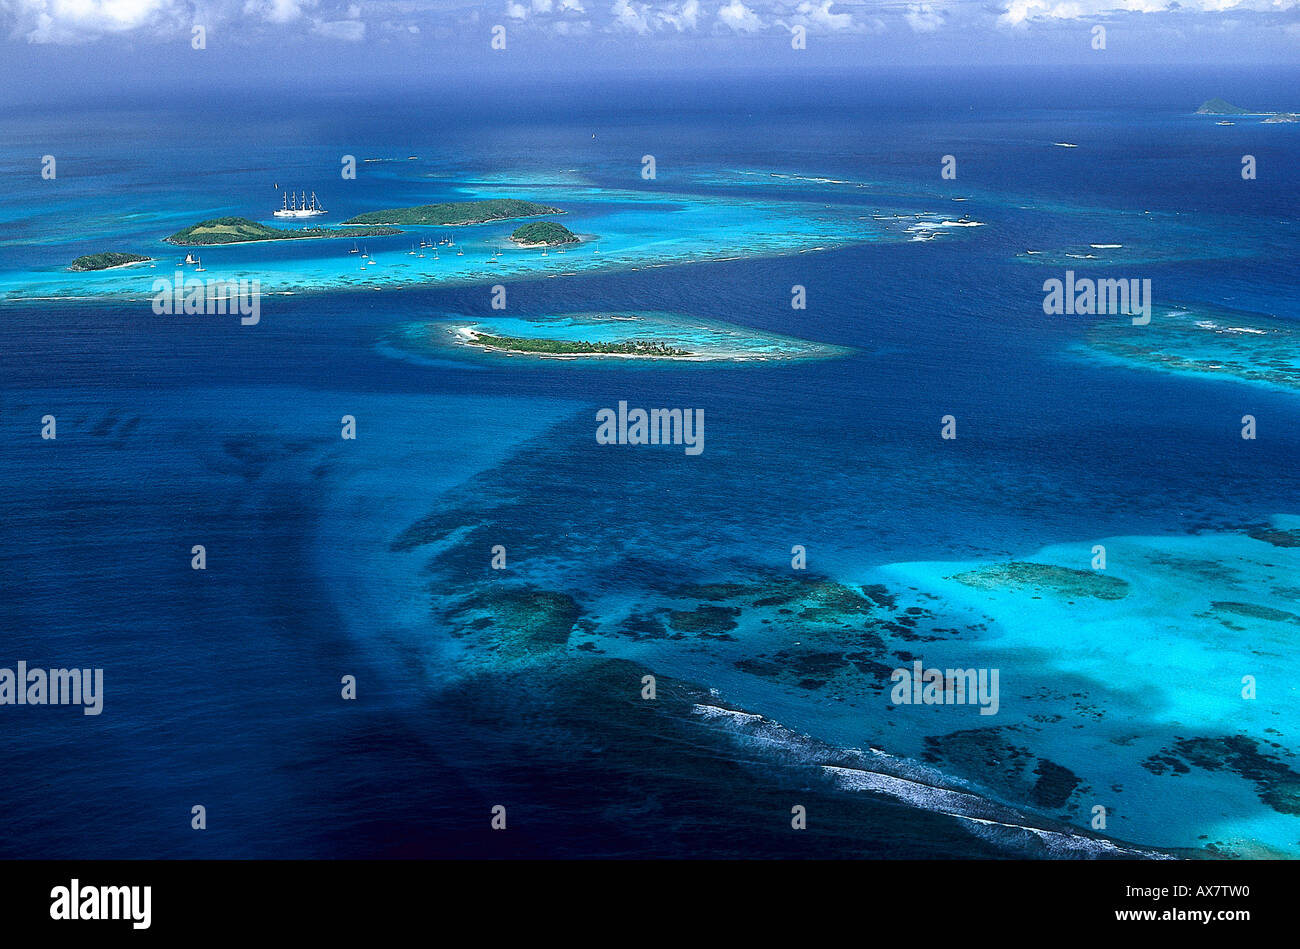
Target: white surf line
933	799
963	805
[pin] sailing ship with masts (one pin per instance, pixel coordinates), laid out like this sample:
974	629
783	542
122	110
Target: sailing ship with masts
299	207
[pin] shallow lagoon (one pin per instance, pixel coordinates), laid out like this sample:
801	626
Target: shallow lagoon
706	340
1204	341
620	230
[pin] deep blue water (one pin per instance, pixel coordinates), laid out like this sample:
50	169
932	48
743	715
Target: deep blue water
223	685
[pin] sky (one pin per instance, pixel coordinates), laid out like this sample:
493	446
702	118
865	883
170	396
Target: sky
84	45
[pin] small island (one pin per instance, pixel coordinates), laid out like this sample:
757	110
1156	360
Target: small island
1221	107
560	347
456	213
106	261
240	230
543	234
609	338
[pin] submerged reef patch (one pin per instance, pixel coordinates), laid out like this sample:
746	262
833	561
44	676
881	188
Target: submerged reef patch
1045	578
1277	784
1010	769
1251	347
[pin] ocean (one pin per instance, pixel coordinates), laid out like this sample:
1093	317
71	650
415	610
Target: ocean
1122	687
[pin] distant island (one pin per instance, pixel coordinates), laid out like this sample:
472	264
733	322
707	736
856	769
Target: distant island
562	347
1223	107
543	234
106	261
456	213
240	230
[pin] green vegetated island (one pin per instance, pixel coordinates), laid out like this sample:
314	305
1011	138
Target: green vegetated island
106	261
565	347
543	234
1223	107
240	230
456	213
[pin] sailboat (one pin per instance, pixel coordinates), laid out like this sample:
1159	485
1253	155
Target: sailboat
200	268
364	254
189	258
293	207
354	249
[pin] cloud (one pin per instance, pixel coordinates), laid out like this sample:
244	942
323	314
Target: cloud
59	21
1019	13
923	18
352	31
820	17
277	11
684	17
645	18
86	21
630	17
739	17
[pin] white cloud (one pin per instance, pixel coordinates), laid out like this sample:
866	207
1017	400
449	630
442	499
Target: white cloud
60	21
630	17
923	18
83	21
352	31
643	18
1023	12
740	17
820	17
684	17
277	11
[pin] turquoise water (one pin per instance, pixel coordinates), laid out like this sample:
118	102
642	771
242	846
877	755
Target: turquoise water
620	230
704	340
1120	688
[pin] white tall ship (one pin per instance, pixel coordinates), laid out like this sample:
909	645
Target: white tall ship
296	207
